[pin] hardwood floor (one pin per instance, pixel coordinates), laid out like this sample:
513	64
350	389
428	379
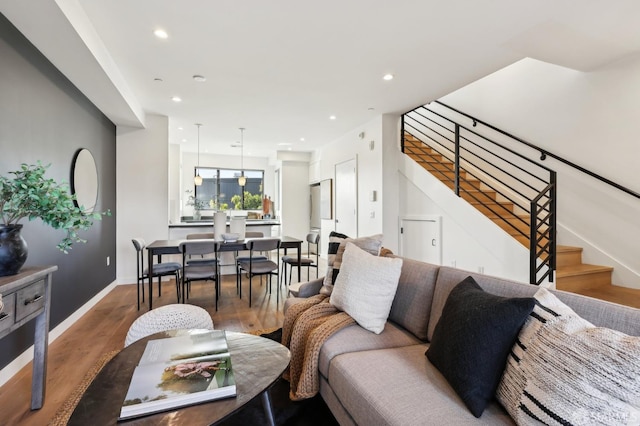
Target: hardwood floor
104	328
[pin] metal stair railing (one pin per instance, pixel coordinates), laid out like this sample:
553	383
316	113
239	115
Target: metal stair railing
514	190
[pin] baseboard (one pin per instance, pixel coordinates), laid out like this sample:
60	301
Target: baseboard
27	356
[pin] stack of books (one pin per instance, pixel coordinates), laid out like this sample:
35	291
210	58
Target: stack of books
179	371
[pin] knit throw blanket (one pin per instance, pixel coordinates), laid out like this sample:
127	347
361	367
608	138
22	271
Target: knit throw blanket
307	325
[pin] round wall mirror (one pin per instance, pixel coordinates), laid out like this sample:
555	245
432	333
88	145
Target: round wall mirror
84	180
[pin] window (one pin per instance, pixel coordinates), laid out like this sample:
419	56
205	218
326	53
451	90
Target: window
220	189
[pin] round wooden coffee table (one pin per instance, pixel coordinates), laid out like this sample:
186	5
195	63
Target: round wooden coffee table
257	364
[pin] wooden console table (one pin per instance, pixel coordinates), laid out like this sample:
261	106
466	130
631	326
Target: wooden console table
26	296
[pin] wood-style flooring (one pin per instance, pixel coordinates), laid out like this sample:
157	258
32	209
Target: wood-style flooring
103	329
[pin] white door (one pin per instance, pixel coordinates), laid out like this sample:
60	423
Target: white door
346	198
420	238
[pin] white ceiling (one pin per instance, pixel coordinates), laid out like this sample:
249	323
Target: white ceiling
280	68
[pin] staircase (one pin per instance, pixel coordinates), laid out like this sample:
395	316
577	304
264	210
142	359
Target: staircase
571	274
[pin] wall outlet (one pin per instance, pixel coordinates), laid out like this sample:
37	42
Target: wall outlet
481	269
108	260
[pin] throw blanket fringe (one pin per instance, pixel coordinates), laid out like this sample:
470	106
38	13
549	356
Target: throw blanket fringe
307	325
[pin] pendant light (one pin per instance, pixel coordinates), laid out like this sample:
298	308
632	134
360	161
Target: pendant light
198	179
242	180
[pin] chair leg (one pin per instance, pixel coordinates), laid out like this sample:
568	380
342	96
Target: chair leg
138	291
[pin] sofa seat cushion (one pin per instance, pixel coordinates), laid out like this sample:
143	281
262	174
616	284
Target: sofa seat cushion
399	386
355	338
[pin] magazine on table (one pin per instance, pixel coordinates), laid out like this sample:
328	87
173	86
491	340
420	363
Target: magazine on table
179	371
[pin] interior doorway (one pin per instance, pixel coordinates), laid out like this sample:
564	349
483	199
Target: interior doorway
346	190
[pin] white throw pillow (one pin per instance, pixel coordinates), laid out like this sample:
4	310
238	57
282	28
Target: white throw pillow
564	370
337	244
366	286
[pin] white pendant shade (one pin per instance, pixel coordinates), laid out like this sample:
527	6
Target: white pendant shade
197	180
242	181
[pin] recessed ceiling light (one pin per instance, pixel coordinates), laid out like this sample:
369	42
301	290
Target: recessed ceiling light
158	79
184	140
199	78
284	144
160	33
289	149
180	128
387	77
371	109
332	117
176	99
301	139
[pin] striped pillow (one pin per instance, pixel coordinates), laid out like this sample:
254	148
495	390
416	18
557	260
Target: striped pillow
564	370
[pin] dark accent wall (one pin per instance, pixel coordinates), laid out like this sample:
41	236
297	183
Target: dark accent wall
43	116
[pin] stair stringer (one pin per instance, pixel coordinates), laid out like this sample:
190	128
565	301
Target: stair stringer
511	256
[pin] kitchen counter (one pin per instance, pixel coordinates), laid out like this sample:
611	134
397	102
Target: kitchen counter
209	223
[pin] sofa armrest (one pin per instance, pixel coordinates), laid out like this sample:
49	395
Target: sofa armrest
306	289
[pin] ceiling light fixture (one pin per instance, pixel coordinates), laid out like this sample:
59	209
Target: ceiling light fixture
242	180
387	77
198	179
160	33
199	78
332	117
176	99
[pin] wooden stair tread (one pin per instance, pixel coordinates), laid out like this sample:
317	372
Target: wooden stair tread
616	294
565	249
581	269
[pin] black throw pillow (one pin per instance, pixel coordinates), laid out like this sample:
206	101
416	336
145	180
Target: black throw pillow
473	338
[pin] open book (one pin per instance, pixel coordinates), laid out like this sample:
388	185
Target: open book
178	371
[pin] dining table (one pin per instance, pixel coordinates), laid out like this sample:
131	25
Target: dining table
162	247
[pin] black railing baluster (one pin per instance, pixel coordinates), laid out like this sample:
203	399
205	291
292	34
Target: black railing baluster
516	178
457	162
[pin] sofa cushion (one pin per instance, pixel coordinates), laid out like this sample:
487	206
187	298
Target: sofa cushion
564	370
337	243
412	305
399	386
473	338
366	286
597	312
355	338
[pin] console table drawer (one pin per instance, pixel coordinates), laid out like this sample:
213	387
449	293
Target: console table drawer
29	300
7	316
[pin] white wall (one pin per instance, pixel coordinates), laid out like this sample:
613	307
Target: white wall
470	240
589	119
369	175
295	209
142	175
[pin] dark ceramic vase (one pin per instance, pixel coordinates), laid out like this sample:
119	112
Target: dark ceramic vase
13	250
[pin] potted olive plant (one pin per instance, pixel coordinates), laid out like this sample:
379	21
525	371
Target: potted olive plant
27	194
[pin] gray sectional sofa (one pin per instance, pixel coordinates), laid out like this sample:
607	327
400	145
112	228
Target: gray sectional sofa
386	379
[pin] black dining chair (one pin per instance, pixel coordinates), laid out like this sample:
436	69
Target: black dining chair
313	239
199	271
160	270
202	259
241	257
259	267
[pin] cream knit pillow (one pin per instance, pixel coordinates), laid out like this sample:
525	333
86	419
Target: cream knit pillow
366	286
564	370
